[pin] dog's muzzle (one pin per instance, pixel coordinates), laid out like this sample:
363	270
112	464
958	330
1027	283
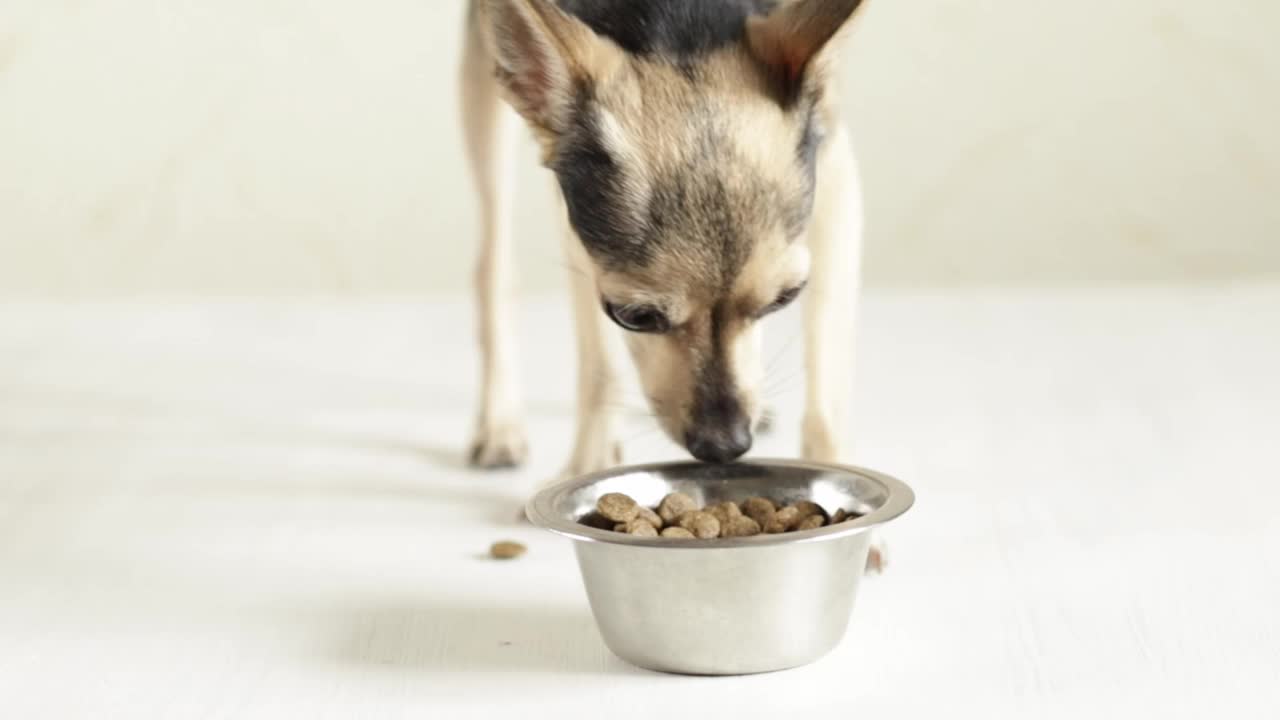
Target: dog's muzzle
721	442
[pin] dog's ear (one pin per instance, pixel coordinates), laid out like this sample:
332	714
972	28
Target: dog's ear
544	56
794	39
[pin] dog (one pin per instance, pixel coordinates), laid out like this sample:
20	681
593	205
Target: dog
706	182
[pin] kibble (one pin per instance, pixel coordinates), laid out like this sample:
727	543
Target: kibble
617	507
642	528
679	517
725	512
807	508
843	515
703	525
740	526
650	517
675	505
811	522
597	521
506	550
758	507
774	526
788	517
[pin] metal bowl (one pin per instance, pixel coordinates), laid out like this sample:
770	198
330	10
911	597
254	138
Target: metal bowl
729	606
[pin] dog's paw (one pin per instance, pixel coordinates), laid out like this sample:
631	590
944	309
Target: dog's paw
877	557
818	441
499	445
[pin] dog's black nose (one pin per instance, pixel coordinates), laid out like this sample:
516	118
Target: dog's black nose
720	443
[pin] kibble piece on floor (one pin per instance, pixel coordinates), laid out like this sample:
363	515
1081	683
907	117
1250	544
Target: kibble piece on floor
725	512
758	508
506	550
788	517
811	522
677	532
740	526
675	505
703	525
650	517
807	508
642	528
617	507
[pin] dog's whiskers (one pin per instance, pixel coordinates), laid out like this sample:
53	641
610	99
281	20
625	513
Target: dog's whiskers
784	383
655	427
781	352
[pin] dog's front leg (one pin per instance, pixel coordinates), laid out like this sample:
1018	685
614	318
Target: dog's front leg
835	246
831	303
596	444
490	126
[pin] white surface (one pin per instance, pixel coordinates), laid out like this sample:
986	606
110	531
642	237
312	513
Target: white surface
251	146
257	511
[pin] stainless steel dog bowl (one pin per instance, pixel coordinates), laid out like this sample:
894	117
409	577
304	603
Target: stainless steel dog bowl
728	606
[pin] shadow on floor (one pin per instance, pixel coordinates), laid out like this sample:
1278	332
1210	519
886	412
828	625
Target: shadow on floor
110	417
449	638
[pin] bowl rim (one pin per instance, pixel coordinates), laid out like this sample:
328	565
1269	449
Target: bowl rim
539	509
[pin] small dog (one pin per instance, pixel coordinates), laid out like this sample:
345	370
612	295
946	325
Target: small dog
706	181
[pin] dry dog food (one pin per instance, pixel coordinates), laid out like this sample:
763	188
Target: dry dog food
675	505
740	526
725	512
617	507
784	520
650	517
811	522
703	525
506	550
759	509
678	516
637	527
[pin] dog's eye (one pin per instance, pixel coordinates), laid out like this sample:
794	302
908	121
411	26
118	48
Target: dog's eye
637	318
784	299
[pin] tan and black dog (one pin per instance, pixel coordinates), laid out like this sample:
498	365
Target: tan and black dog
706	181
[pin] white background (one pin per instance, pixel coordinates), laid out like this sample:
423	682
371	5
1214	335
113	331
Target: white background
260	510
280	146
258	507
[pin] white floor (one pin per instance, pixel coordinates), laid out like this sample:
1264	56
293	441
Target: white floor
258	510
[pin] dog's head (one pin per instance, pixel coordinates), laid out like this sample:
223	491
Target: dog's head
688	175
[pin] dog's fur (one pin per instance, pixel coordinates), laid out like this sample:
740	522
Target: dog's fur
706	180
